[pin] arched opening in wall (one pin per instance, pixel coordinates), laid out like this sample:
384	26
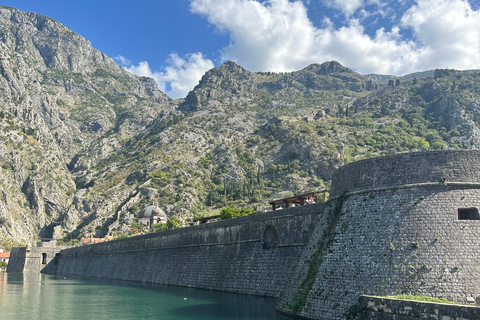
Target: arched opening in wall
468	214
57	257
44	258
270	237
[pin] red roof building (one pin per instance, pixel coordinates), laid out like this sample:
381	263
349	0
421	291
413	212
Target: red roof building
4	256
96	240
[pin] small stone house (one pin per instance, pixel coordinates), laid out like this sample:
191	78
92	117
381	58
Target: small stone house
4	256
151	215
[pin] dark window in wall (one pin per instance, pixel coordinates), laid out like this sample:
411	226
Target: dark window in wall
468	214
270	238
57	257
44	258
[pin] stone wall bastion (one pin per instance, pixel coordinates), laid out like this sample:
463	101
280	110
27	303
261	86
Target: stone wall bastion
401	224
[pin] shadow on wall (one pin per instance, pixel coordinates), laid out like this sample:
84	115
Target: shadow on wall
50	267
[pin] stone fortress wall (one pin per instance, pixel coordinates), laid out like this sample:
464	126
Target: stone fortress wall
405	170
406	223
35	259
252	254
393	227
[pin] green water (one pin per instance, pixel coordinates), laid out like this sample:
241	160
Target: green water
39	296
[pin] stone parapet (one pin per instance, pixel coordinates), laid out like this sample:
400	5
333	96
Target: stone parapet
437	167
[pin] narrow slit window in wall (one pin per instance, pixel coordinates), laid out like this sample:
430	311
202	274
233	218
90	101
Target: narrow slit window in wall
44	258
468	214
55	260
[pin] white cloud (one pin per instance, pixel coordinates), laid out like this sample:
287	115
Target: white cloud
142	70
277	35
449	31
122	60
180	76
348	7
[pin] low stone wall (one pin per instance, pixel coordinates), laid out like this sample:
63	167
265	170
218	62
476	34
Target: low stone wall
34	260
253	255
394	309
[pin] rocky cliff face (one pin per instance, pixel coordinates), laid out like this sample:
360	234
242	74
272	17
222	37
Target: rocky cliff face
59	98
84	145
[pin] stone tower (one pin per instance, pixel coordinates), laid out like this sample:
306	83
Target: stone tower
402	224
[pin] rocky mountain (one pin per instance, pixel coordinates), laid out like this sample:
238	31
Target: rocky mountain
59	98
85	145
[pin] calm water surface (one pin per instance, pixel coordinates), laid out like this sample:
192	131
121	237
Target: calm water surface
39	296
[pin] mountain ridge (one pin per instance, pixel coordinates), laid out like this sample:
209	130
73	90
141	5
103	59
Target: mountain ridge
85	145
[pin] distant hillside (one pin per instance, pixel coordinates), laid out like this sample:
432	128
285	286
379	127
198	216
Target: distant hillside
424	74
85	145
385	78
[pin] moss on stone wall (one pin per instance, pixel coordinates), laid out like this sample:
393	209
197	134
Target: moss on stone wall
300	299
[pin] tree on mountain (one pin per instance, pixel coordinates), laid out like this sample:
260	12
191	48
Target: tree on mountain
174	223
231	212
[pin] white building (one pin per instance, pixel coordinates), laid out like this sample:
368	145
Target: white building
151	215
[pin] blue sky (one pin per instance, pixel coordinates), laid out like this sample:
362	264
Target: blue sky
177	41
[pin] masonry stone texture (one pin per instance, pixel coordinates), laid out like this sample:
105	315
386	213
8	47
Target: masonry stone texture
396	232
376	308
35	259
393	225
250	255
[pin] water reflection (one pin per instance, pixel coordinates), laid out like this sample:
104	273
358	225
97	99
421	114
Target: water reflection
38	296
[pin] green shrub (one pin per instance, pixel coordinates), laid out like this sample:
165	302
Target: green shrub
134	209
136	227
174	223
7	244
230	212
156	227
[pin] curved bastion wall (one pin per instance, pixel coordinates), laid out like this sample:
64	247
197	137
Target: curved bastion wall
401	224
402	170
